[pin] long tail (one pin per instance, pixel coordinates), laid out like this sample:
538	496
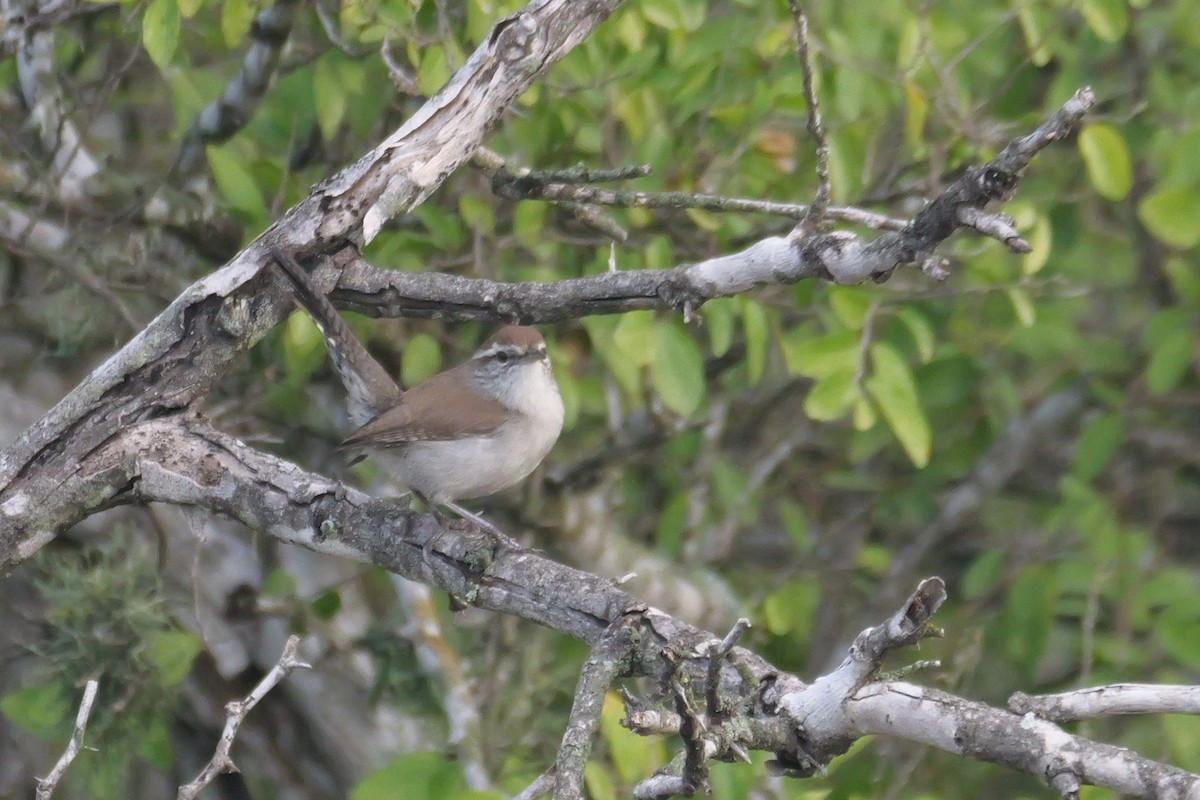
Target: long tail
371	390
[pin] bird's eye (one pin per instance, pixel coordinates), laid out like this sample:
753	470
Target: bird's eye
503	357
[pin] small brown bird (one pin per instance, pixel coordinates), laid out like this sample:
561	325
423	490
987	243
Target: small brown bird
468	432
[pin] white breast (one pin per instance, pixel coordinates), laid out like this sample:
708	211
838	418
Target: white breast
462	469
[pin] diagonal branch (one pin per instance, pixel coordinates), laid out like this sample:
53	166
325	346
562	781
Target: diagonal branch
47	785
178	357
236	711
230	112
610	658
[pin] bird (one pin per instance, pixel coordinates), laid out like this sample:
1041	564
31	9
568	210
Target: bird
468	432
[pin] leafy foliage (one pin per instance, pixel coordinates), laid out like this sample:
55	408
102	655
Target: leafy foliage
105	618
1077	565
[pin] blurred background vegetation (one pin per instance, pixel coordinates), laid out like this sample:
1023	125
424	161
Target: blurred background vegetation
1027	429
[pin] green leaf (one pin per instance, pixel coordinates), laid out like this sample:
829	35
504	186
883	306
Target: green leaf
821	356
172	654
433	71
1107	18
864	414
329	97
678	370
154	744
635	757
916	114
422	359
894	390
719	317
831	396
1041	239
327	604
1035	25
43	710
303	346
529	219
795	522
635	338
983	574
920	330
1022	305
236	18
599	782
1099	441
478	214
1107	159
1170	361
160	31
1171	215
1029	614
1176	633
757	330
189	8
278	583
426	775
788	610
237	186
851	305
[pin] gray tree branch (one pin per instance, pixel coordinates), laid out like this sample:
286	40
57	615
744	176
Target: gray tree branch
187	463
838	256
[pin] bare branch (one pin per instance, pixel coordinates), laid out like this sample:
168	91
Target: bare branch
522	189
1025	743
168	461
1104	701
815	217
47	785
712	683
542	786
236	712
230	112
609	658
837	256
906	627
74	166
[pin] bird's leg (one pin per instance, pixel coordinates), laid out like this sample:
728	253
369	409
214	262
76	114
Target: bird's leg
427	548
500	536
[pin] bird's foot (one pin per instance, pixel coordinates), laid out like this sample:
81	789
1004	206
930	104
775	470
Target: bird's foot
500	536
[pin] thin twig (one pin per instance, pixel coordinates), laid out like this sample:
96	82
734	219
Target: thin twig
46	785
691	730
627	198
580	173
541	786
713	680
235	714
820	204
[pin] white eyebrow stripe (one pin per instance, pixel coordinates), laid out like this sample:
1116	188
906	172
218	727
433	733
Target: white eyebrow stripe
499	347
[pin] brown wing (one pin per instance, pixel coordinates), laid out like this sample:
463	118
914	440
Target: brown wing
430	411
